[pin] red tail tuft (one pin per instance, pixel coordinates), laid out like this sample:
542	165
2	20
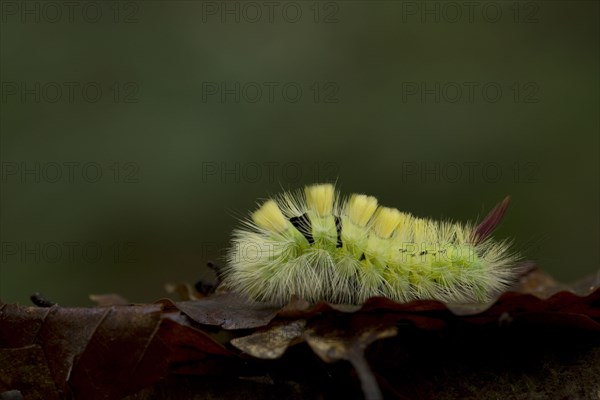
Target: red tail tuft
490	222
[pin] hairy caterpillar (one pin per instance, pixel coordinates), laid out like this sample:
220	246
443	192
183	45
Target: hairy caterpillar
318	246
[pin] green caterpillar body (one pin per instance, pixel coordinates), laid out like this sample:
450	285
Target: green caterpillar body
317	246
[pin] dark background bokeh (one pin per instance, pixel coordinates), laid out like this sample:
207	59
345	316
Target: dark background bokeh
399	99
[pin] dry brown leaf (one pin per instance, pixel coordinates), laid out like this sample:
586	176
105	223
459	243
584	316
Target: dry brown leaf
271	343
229	311
334	346
109	299
110	351
97	353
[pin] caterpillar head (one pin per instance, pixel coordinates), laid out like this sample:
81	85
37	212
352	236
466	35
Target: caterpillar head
319	246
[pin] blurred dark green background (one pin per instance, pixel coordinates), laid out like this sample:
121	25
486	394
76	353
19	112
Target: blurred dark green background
135	133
